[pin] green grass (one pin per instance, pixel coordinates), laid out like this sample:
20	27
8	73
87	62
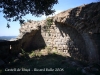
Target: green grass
56	62
49	61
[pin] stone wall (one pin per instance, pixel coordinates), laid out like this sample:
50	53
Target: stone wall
72	32
66	39
5	48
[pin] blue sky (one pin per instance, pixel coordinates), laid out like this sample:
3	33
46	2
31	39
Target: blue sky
61	6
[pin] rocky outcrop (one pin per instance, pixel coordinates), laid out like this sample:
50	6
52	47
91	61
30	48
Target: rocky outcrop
73	32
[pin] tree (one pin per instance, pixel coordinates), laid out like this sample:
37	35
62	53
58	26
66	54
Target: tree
16	9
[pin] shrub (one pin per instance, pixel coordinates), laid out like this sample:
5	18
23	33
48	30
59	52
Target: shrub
49	22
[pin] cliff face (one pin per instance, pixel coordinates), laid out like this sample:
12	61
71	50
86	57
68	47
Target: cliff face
75	32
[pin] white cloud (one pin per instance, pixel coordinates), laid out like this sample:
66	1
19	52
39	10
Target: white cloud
57	11
43	17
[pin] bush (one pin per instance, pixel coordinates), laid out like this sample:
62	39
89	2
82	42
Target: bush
49	22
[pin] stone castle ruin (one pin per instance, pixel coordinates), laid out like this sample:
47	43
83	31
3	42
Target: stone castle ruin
75	32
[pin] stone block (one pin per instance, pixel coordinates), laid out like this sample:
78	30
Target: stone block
61	37
58	37
63	40
54	35
53	25
58	43
58	34
64	34
43	34
48	42
55	45
46	34
55	40
50	45
65	46
59	40
52	30
57	31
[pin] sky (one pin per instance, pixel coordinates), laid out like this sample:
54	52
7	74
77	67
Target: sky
61	6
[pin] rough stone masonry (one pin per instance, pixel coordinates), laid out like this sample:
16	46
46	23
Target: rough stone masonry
75	32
